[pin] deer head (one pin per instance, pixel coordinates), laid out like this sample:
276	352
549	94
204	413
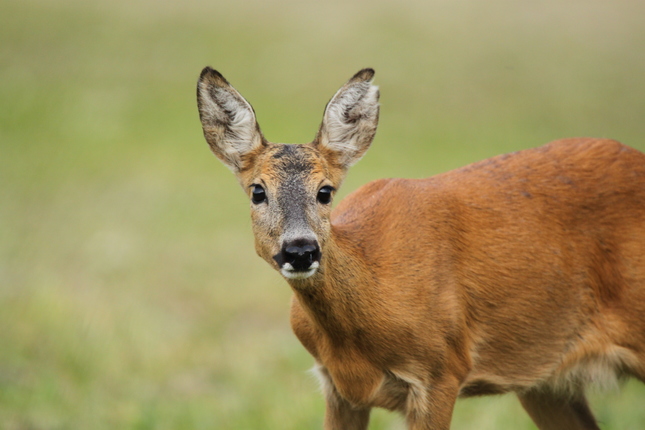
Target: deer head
290	187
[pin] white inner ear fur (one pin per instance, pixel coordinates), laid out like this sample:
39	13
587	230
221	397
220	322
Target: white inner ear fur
223	107
350	120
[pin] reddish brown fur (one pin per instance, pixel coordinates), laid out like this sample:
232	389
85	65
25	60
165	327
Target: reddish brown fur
522	273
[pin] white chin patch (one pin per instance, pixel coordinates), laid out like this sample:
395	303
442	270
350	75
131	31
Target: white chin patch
289	273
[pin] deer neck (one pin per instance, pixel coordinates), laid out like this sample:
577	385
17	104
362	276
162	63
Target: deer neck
338	297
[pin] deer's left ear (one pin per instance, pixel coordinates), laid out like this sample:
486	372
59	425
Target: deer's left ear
228	121
350	120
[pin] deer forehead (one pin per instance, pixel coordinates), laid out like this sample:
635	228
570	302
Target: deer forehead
287	167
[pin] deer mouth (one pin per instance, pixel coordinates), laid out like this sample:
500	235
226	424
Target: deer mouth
289	272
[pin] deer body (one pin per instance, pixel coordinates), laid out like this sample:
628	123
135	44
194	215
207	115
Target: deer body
524	273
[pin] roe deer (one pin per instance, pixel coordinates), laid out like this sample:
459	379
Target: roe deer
523	273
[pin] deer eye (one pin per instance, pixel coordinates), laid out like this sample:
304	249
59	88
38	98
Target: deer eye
324	194
258	195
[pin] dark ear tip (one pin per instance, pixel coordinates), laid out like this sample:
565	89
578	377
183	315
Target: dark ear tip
364	75
213	76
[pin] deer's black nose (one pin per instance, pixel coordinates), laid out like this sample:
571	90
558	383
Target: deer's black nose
300	253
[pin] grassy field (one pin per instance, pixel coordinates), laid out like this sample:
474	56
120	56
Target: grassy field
130	293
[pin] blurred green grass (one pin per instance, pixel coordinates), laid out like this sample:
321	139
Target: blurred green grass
130	293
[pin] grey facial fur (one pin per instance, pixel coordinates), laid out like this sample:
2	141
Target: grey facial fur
293	197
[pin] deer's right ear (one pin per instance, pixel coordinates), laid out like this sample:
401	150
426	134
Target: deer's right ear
228	121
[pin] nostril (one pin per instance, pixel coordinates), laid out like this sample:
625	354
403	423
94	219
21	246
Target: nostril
308	249
295	251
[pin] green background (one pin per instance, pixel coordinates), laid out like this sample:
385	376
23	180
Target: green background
130	293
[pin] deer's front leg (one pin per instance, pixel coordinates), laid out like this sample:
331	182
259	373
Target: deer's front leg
429	407
340	415
551	410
